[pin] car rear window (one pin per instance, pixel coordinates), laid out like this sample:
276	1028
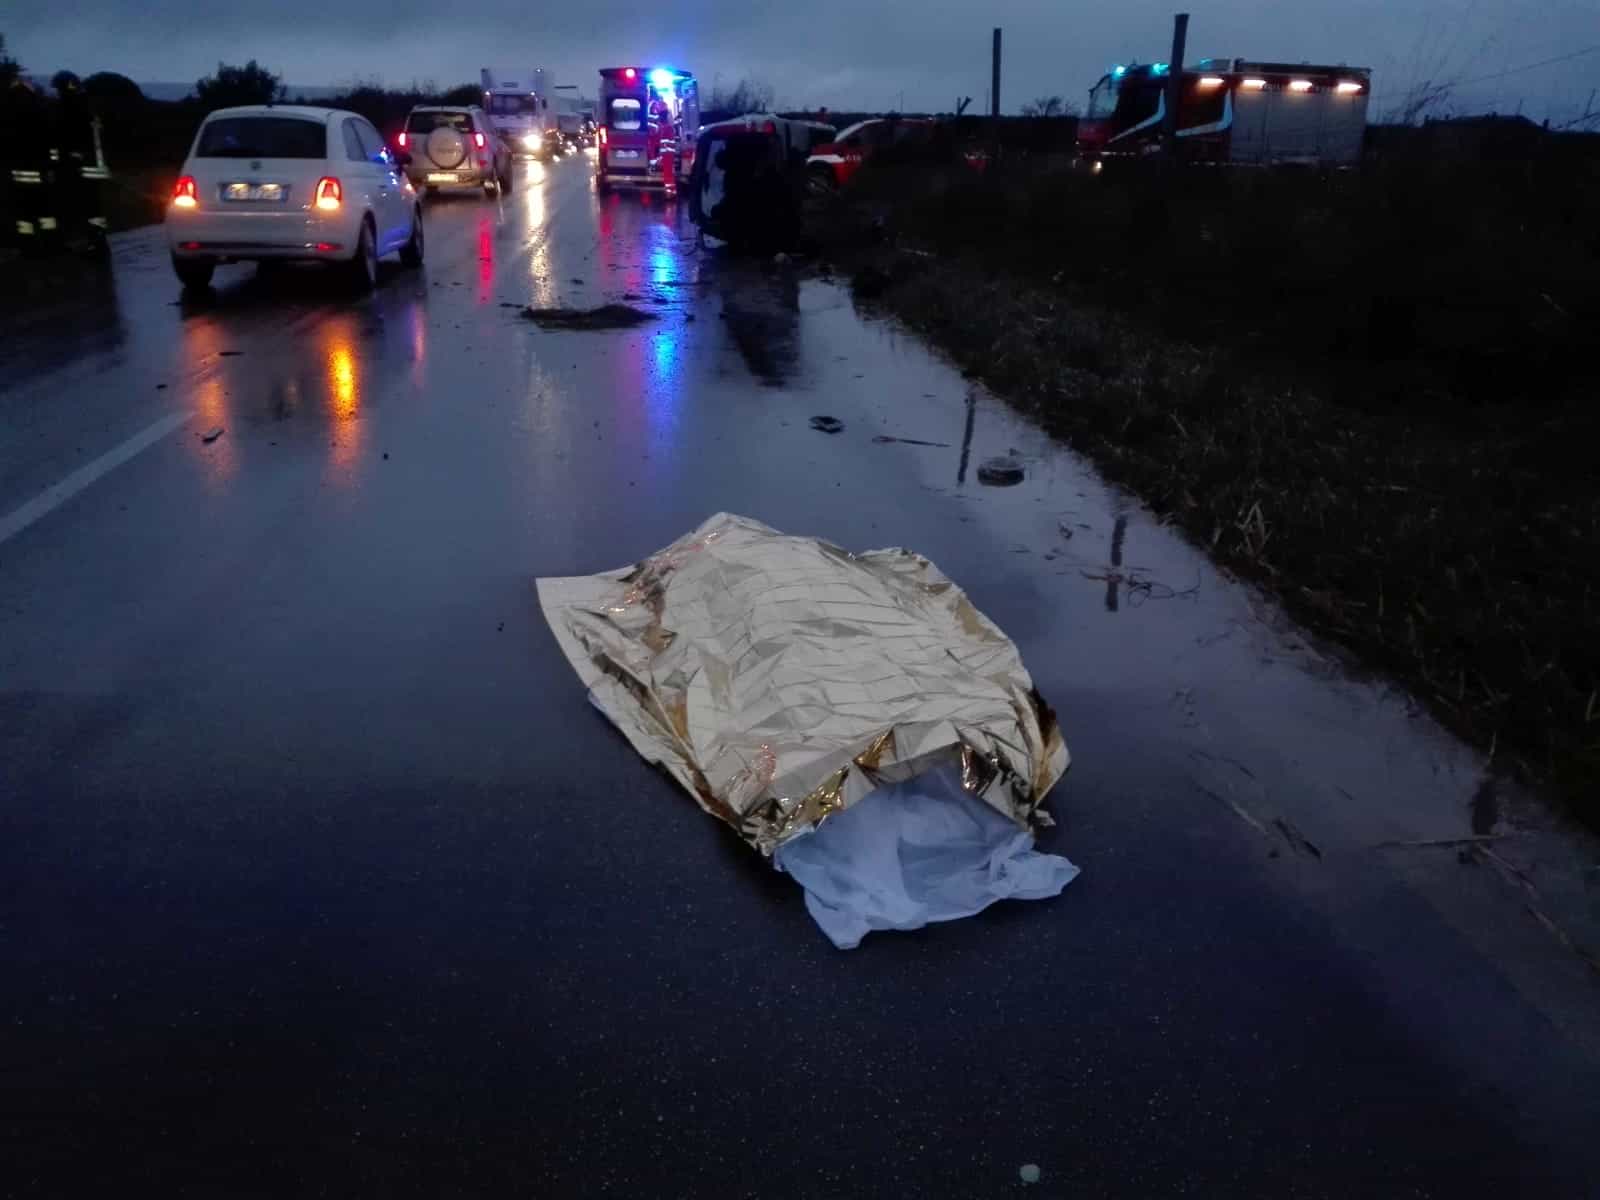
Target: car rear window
427	122
625	113
263	137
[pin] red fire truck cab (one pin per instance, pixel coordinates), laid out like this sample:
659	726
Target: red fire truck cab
648	120
1231	110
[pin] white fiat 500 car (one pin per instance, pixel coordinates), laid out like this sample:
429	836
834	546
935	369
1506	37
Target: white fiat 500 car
286	182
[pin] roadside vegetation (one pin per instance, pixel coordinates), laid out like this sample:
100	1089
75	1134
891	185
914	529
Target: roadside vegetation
1373	392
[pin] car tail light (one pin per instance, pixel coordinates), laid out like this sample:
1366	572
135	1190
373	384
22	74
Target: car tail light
185	194
401	140
328	193
327	247
480	140
602	137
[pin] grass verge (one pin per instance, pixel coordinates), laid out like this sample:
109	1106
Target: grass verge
1449	539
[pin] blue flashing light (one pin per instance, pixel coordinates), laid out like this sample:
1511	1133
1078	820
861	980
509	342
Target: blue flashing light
662	79
1158	68
1119	71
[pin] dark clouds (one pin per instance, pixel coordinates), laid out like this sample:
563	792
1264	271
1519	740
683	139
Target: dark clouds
844	53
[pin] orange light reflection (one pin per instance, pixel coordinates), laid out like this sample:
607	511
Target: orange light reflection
343	371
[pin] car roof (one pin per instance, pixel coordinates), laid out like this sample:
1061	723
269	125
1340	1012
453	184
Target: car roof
849	129
458	108
305	112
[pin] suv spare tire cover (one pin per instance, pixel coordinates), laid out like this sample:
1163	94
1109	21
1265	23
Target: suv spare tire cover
446	147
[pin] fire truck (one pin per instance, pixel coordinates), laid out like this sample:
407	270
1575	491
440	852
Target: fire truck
648	120
1231	111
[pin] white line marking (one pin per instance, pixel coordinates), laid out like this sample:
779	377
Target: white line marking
56	495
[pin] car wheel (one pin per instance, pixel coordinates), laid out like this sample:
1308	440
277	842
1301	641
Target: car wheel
820	181
194	272
505	181
363	268
411	252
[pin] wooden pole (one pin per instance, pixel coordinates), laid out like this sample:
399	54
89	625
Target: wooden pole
994	90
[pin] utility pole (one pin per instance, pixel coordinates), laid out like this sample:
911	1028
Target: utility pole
1169	126
994	89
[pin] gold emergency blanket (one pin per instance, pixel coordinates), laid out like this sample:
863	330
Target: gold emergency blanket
780	679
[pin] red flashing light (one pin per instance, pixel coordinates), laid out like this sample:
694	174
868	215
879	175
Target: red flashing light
629	73
185	194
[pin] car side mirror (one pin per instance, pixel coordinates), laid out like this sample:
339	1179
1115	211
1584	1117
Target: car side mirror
403	157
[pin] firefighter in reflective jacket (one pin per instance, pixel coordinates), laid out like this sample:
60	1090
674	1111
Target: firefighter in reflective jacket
30	174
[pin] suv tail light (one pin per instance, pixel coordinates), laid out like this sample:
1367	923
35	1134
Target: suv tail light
329	195
401	139
480	140
185	194
602	137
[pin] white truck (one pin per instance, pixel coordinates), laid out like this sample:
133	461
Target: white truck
519	108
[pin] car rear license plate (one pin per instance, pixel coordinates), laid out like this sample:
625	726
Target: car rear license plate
269	193
620	154
442	177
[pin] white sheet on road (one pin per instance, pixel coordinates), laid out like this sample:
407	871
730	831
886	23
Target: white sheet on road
913	853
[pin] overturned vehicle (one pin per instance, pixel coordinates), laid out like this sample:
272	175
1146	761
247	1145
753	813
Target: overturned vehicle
748	186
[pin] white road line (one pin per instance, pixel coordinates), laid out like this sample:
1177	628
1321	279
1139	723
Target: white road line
56	495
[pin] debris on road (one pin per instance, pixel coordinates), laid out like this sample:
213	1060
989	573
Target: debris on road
1000	471
211	435
606	316
1030	1173
885	438
827	424
229	353
886	746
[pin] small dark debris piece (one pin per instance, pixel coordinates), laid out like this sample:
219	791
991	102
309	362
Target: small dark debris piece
212	435
885	438
576	279
509	304
607	316
161	387
385	454
632	296
500	628
827	424
229	353
690	317
1001	471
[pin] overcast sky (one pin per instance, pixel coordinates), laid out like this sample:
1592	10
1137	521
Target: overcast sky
843	53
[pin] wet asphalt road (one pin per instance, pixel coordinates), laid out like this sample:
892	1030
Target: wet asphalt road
319	877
